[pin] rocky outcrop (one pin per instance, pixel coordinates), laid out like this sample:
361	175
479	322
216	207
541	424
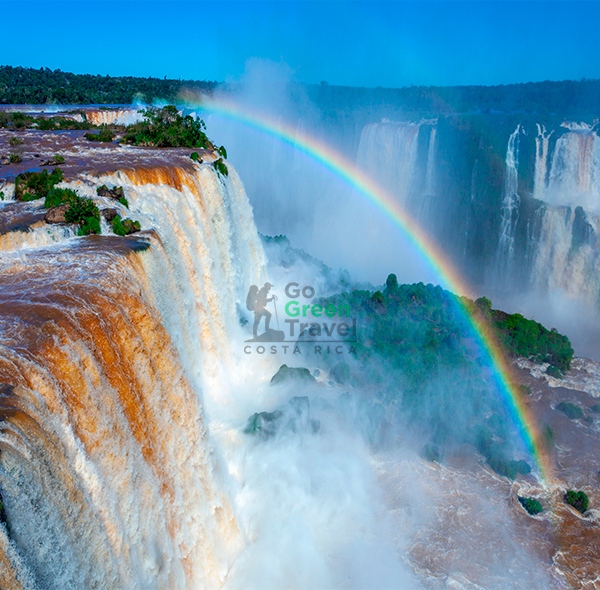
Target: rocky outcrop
57	214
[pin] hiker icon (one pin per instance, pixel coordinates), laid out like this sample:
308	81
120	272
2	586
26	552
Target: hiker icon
256	301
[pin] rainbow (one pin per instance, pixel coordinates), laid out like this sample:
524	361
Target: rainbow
436	259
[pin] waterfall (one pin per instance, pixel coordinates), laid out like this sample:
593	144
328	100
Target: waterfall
124	116
107	473
388	152
510	209
429	175
574	177
541	161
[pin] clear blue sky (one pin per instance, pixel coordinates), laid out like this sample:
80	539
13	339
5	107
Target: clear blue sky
388	44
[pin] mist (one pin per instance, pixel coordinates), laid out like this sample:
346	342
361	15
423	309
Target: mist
292	194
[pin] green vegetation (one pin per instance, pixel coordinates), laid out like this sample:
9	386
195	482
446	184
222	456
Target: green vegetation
532	505
85	213
220	167
578	500
222	151
595	408
125	227
60	124
105	135
30	186
571	411
195	156
15	141
418	353
15	159
1	195
58	159
58	196
554	372
527	338
286	373
165	127
44	86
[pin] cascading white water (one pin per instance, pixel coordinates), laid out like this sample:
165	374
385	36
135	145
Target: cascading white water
106	470
388	152
510	209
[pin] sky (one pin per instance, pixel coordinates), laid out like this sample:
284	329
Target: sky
388	44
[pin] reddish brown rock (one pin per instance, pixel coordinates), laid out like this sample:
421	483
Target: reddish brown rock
57	214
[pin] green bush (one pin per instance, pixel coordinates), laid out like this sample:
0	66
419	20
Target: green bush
222	151
15	141
15	159
57	196
554	372
85	213
571	411
165	127
578	500
531	505
58	159
117	227
195	156
220	167
125	227
36	185
104	135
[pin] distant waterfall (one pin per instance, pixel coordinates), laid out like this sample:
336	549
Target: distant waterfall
388	151
510	208
107	475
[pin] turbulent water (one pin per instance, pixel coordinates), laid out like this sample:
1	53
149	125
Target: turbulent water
125	388
107	474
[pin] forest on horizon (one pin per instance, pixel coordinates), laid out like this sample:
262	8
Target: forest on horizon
568	98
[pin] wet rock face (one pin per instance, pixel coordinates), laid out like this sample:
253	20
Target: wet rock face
114	193
109	214
57	214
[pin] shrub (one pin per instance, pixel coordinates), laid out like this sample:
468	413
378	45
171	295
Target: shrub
21	120
15	141
36	185
57	196
117	227
15	159
1	195
531	505
222	151
571	411
85	213
104	135
58	159
165	127
195	156
220	167
554	372
578	500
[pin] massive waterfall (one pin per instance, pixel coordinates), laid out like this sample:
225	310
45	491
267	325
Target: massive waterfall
516	214
107	474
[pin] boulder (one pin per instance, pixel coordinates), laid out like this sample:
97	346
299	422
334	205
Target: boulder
286	373
57	214
115	193
109	214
